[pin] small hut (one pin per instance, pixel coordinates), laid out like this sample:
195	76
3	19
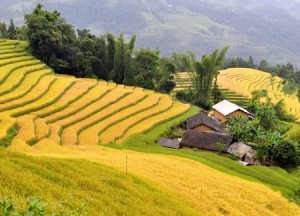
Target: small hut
203	122
226	109
239	149
205	140
169	143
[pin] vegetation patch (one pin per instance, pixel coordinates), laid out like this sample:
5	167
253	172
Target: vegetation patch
11	133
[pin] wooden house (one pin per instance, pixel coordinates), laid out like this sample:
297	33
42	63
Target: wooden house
225	109
205	140
203	122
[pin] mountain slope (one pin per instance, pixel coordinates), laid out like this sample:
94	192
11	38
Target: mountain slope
73	111
262	29
244	81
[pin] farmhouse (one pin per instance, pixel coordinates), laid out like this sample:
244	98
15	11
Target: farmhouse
205	140
226	109
203	122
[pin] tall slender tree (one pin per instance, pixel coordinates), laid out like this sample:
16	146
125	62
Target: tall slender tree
206	71
11	31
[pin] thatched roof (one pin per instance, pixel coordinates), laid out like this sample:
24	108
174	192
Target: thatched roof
239	149
205	140
225	107
204	119
170	143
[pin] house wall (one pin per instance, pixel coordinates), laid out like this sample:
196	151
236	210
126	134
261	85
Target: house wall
239	113
203	128
220	116
236	114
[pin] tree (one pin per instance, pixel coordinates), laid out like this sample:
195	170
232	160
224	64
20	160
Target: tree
3	30
50	37
11	31
286	152
206	71
145	65
122	58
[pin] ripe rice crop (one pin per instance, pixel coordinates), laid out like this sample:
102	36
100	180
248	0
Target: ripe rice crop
196	185
7	66
142	127
117	130
90	97
32	96
54	92
28	83
26	128
90	134
5	124
17	76
41	128
72	94
121	100
258	80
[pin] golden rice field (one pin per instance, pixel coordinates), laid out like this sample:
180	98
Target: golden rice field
63	108
196	186
64	118
245	80
184	81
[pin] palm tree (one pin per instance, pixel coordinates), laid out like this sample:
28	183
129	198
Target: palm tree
206	71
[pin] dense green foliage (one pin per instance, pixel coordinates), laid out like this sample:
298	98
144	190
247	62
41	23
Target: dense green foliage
82	54
207	71
262	132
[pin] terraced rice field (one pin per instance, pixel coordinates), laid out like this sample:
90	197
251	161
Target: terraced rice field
244	81
68	110
184	81
65	117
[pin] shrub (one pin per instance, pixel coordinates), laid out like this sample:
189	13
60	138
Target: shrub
286	152
221	147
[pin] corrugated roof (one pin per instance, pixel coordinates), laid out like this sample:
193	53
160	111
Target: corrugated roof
225	107
239	149
170	143
202	118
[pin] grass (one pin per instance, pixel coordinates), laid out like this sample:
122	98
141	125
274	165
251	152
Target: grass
11	133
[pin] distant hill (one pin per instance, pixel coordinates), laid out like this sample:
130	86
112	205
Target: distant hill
262	29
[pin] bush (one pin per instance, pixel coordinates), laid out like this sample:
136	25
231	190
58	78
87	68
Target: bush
221	147
286	152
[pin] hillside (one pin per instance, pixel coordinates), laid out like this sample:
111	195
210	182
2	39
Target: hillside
58	120
183	181
262	29
238	83
244	81
72	111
